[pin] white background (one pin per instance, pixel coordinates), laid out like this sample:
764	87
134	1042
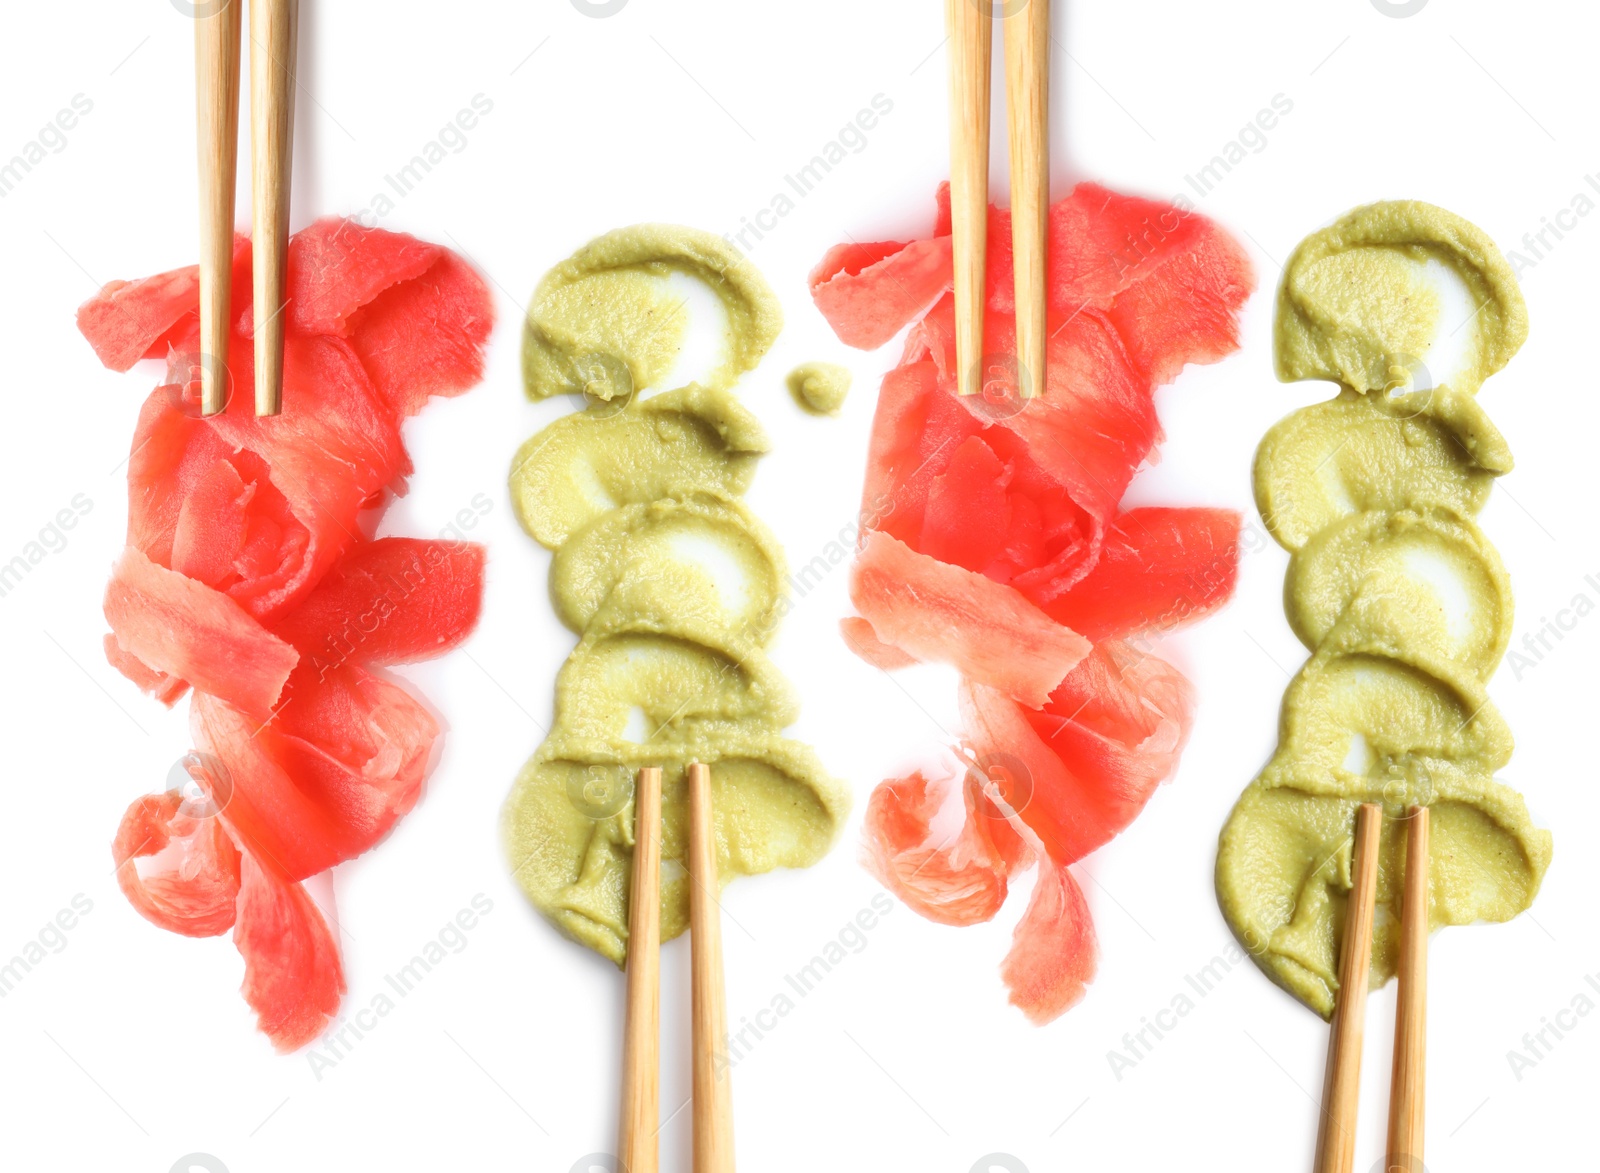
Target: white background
131	1047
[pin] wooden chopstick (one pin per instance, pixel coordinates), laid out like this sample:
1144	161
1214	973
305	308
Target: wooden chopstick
713	1103
1341	1086
273	29
216	74
637	1148
971	29
1027	41
1407	1088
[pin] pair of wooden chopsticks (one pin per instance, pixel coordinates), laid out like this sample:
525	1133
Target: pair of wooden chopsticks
273	28
638	1146
1342	1087
1027	54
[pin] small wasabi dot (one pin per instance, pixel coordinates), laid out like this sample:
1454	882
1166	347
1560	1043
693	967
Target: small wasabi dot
820	387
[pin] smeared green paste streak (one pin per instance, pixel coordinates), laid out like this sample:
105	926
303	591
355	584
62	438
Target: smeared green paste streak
673	586
1403	604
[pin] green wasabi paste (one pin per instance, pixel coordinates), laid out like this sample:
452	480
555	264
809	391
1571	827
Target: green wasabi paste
673	586
1402	602
820	387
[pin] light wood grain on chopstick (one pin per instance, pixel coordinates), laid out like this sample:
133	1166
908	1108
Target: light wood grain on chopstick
1408	1084
273	30
216	75
970	26
637	1147
1027	40
713	1098
1341	1086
